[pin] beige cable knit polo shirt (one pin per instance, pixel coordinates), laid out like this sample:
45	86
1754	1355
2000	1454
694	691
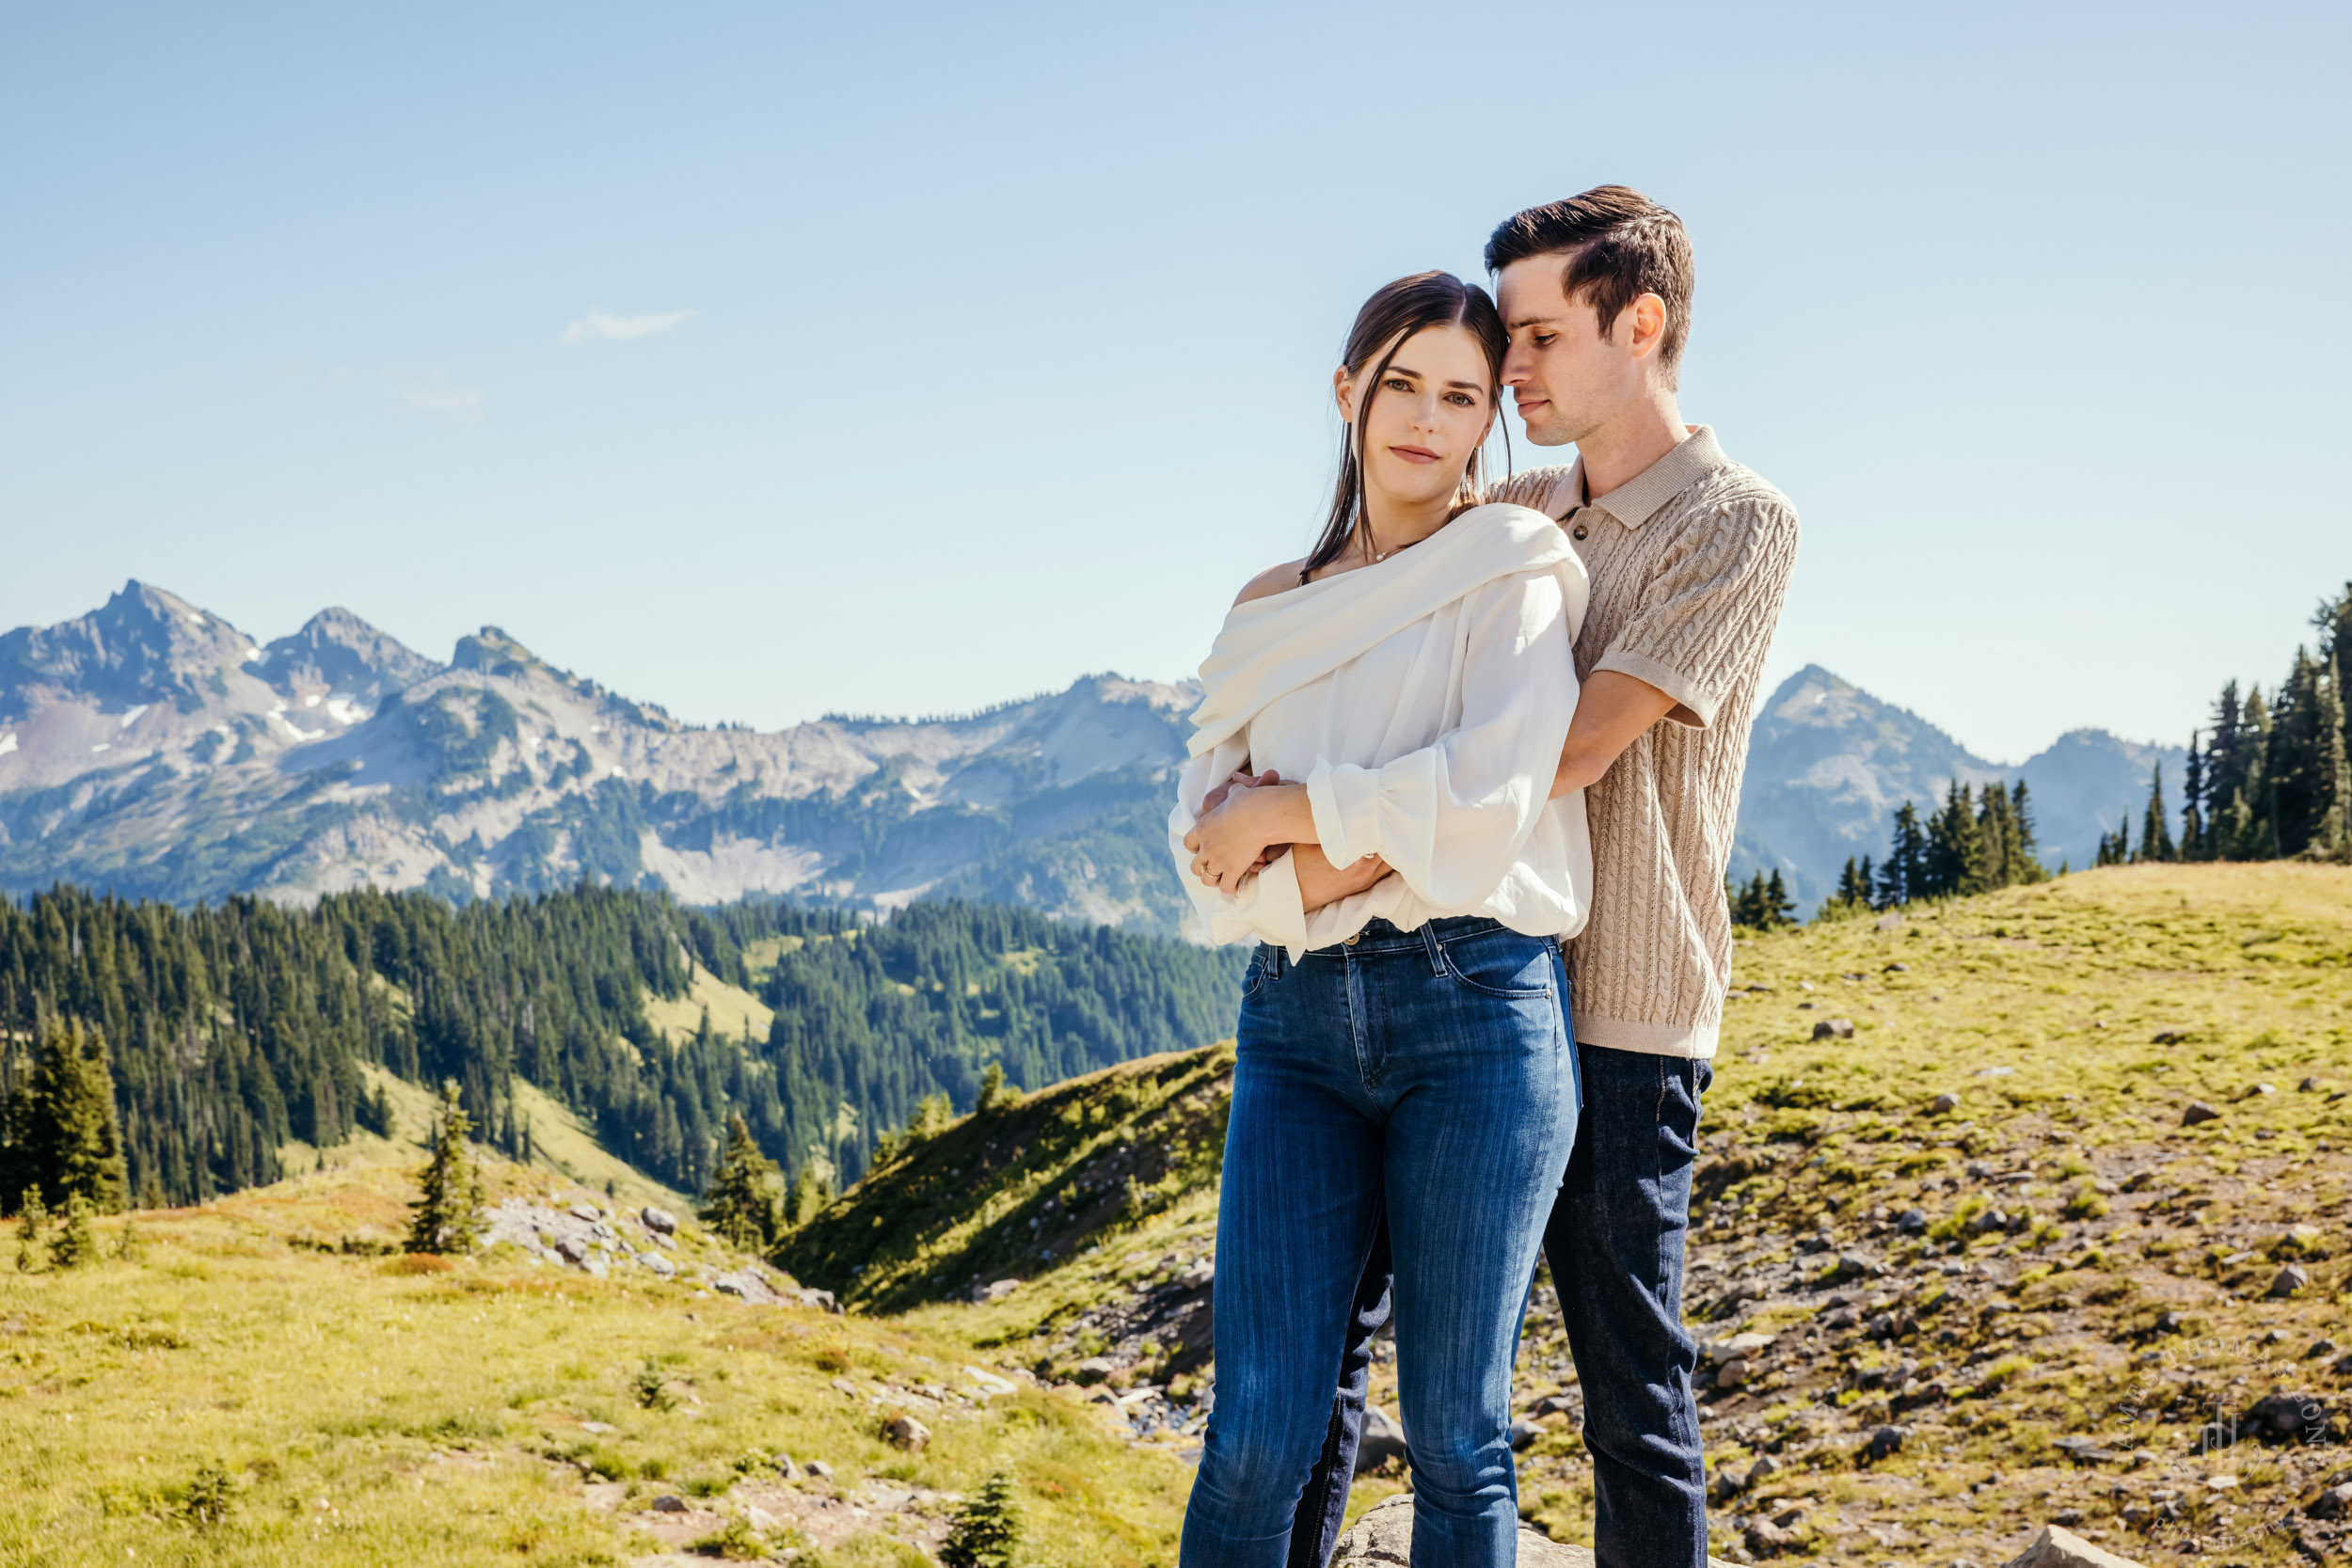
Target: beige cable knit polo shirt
1690	562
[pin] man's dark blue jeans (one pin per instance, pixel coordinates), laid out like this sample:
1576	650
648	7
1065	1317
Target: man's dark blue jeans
1615	1245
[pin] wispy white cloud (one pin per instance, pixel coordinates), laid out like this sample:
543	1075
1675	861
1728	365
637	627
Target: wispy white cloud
455	402
603	324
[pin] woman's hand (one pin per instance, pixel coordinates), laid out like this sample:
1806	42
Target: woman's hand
1232	841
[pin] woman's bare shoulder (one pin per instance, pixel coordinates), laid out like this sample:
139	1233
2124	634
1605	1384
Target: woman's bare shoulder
1272	580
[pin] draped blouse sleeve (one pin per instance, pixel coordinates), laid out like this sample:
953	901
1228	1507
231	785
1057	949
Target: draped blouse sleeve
1452	817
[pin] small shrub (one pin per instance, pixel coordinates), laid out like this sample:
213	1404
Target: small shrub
650	1387
210	1494
735	1542
987	1531
2086	1204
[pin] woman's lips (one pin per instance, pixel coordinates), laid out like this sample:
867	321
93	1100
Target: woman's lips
1415	454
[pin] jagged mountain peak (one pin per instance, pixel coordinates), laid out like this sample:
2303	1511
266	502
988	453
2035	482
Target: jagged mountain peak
144	645
493	652
338	654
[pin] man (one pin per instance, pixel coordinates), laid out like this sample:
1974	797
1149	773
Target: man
1689	556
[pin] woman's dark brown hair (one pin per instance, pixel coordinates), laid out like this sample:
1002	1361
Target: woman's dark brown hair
1389	318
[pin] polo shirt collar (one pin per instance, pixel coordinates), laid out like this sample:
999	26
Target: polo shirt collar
1640	498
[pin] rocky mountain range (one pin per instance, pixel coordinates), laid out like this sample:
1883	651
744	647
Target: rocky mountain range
153	749
1828	764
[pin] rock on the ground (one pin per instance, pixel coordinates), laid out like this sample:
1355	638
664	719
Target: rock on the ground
2289	1280
995	1290
2331	1504
2199	1111
2062	1548
1382	1441
1523	1435
1384	1536
1094	1369
1834	1029
659	1221
909	1434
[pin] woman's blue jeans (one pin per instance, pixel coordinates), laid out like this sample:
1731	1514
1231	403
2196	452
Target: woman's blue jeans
1428	1072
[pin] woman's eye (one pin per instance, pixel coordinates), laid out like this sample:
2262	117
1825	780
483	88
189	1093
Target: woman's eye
1462	400
1397	384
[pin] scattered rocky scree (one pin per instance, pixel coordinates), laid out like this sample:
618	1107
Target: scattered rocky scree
585	1235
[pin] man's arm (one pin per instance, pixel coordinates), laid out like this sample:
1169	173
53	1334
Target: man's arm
1612	711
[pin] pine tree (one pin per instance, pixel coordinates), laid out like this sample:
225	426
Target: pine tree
32	1218
1955	846
77	1239
2155	827
987	1531
2331	832
1779	909
745	1201
1904	876
810	1193
66	1127
2192	806
446	1215
1854	885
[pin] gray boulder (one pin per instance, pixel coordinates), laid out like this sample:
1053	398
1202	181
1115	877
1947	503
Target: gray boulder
1834	1029
2062	1548
1382	1441
659	1221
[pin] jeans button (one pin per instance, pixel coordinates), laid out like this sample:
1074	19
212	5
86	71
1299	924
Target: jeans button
1354	940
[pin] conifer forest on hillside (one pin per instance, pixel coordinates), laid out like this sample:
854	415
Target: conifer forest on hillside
228	1031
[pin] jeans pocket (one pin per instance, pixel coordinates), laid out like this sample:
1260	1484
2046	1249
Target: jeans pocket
1255	977
1499	963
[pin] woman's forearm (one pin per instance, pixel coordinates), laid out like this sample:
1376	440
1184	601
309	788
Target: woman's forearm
1319	883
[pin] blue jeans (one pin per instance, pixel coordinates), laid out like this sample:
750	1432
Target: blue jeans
1616	1243
1425	1076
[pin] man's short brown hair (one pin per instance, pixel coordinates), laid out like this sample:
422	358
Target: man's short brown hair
1620	245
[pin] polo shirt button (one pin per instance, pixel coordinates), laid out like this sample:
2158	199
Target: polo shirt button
1582	532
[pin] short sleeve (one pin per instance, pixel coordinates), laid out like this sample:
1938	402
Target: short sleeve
1707	613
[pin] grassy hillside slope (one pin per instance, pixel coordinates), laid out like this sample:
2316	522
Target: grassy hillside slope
2048	1300
2062	1361
358	1409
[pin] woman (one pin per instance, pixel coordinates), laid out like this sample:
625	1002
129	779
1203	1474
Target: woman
1405	1047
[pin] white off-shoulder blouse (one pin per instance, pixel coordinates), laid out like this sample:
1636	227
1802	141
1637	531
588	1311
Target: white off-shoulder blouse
1424	702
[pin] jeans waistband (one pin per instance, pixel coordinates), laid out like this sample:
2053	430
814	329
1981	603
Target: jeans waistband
1380	936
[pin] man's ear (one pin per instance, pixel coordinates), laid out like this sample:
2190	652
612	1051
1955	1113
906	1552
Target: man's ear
1343	393
1648	315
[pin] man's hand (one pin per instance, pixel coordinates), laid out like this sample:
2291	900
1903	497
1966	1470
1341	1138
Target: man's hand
1233	841
1612	711
1319	883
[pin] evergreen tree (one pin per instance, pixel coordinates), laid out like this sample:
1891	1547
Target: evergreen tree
810	1193
1779	909
32	1218
2331	831
745	1201
2155	827
1904	876
987	1531
1854	885
2030	868
993	1090
68	1140
2192	804
446	1215
77	1239
1955	846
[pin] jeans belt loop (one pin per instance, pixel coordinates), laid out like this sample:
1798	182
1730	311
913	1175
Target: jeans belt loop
1437	952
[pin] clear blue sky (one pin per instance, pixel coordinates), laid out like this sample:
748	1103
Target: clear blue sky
1010	325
